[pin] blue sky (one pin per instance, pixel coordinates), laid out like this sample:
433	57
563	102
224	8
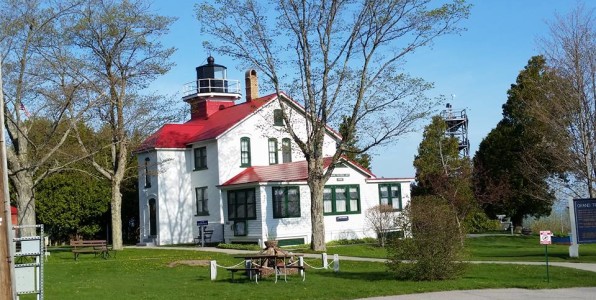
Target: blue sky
478	66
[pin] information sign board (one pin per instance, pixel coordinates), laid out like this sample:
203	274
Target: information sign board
585	220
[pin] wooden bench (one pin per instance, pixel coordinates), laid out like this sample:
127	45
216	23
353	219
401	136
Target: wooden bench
257	272
90	246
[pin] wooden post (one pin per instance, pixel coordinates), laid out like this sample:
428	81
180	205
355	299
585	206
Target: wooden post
6	262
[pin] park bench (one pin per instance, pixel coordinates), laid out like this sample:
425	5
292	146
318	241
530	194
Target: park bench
90	246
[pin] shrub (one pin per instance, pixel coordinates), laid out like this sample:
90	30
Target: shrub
432	249
557	222
478	222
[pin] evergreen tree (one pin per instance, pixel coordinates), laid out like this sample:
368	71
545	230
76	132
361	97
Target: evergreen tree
442	172
514	162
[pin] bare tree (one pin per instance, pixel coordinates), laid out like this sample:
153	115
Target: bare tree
381	219
342	58
39	83
122	51
570	114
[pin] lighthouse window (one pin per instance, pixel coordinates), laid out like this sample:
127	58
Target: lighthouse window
286	150
245	152
286	202
278	118
200	158
272	151
147	176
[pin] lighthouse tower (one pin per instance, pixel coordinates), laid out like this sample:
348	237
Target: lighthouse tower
211	92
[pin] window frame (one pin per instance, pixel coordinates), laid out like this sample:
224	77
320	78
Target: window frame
200	157
389	197
147	175
347	199
245	161
273	157
204	199
285	202
286	150
250	208
278	117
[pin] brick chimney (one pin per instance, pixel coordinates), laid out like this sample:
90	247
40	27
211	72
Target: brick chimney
252	85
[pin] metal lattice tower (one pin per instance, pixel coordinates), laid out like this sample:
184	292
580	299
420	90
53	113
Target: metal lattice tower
457	127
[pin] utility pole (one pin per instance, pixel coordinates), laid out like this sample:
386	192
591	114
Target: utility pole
6	258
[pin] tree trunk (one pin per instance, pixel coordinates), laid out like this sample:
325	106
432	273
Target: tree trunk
25	203
316	215
518	222
116	213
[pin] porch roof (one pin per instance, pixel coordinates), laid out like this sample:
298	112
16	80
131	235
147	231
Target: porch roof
288	172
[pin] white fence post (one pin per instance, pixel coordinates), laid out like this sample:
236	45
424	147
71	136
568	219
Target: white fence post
324	258
335	262
213	270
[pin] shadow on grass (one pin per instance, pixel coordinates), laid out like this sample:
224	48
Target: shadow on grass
365	276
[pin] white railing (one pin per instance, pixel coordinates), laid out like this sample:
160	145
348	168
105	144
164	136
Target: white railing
211	86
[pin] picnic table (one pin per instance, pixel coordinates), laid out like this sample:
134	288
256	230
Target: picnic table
257	264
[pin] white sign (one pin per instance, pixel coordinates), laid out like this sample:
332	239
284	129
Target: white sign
545	237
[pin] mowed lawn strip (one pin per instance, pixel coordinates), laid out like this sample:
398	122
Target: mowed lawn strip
488	248
146	274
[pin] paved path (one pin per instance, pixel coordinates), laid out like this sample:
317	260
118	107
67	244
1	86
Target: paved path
581	293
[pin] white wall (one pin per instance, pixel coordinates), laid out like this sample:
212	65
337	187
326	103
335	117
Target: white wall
259	128
175	198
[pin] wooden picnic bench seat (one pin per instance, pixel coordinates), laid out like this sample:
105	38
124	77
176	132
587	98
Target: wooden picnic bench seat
257	272
90	246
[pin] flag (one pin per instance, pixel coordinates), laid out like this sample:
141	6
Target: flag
24	109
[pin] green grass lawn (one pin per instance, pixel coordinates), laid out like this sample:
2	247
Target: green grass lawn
493	248
524	248
145	274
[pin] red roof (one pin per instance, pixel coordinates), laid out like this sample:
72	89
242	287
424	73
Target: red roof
294	171
179	135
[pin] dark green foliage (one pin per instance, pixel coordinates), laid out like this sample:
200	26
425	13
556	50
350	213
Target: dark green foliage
513	163
434	251
442	172
72	204
478	222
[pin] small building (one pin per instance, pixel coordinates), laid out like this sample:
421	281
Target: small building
234	167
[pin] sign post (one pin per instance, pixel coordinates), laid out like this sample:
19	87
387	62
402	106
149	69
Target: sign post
202	224
545	239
